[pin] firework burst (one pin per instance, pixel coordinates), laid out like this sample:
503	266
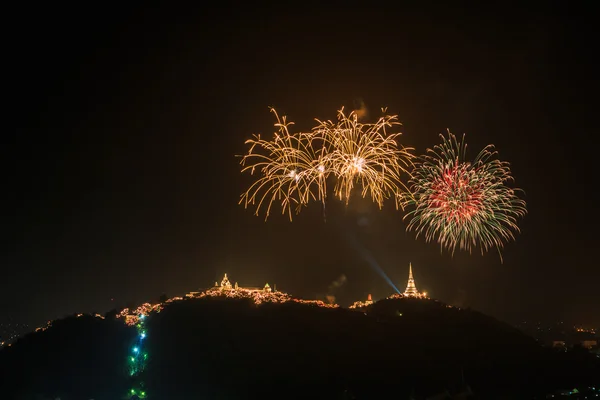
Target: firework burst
294	168
463	204
365	154
292	172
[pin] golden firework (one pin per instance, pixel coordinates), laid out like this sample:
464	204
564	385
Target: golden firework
292	171
365	153
294	168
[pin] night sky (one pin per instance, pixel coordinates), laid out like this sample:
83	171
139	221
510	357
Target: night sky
120	179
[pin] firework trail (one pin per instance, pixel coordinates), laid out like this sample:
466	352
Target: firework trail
292	172
463	204
294	168
365	153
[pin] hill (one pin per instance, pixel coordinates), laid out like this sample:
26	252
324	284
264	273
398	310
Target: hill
220	348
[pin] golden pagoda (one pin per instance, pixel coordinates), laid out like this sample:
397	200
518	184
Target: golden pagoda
411	288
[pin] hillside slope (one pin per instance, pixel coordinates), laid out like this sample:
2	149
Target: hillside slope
221	348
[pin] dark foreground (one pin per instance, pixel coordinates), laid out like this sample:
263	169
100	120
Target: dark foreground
229	349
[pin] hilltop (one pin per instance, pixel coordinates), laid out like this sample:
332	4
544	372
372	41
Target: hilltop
222	348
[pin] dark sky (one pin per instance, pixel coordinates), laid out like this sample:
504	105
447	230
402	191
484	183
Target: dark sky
120	178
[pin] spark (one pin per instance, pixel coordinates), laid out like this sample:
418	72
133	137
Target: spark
294	168
291	171
463	204
365	153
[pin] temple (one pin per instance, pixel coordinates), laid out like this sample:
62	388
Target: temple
411	288
226	285
359	304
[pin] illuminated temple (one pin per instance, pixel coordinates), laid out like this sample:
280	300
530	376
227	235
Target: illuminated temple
359	304
258	295
411	288
226	285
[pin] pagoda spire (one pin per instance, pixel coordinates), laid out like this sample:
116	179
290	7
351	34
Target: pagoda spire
411	289
225	284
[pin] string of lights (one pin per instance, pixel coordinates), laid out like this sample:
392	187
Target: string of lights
137	360
137	356
257	295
